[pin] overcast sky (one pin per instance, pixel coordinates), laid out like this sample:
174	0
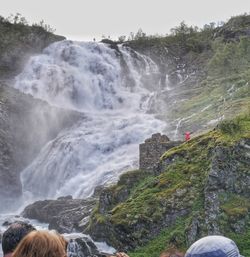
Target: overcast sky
88	19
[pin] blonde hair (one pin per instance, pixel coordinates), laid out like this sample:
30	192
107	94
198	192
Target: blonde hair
41	244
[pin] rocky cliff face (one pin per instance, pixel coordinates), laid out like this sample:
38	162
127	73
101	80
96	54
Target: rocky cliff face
26	125
18	42
65	214
204	74
152	149
202	188
228	179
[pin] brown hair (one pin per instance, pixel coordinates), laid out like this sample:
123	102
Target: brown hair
41	244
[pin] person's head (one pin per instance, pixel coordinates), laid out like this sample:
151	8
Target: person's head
41	244
14	234
213	246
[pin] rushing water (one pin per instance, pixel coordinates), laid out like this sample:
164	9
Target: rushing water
112	89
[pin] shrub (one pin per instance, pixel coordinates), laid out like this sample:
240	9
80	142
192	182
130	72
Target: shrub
230	126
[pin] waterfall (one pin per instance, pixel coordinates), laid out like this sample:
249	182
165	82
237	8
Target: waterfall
109	88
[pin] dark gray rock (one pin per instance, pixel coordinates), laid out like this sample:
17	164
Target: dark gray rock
26	125
18	42
224	178
82	246
152	149
64	214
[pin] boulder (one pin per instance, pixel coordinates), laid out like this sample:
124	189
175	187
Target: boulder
81	245
64	214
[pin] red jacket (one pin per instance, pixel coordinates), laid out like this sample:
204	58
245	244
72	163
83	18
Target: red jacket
187	136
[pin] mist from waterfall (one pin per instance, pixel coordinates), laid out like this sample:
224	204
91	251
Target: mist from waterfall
108	87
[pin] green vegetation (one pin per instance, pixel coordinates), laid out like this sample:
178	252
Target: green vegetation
235	129
179	188
18	40
21	21
224	91
235	206
155	196
214	63
236	212
242	240
230	58
175	235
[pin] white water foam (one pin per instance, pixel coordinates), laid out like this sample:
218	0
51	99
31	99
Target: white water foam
89	77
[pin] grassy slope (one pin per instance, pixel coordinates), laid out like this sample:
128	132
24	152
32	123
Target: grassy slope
234	207
215	67
226	88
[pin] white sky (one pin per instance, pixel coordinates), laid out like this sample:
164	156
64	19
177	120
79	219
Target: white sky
88	19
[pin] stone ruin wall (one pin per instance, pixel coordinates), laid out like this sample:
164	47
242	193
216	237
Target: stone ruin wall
152	150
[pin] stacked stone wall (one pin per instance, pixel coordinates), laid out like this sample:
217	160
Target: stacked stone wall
152	150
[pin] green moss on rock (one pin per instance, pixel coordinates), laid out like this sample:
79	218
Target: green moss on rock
148	219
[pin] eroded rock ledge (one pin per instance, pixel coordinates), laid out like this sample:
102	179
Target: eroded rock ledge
65	214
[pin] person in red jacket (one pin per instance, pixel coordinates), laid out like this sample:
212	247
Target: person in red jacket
187	135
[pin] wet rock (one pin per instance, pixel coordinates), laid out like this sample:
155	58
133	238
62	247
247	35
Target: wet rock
82	246
68	197
18	131
6	223
17	43
110	196
64	214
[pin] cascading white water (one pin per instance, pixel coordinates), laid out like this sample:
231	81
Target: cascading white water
89	78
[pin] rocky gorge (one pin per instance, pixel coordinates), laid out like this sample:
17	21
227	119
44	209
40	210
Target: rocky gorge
182	190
